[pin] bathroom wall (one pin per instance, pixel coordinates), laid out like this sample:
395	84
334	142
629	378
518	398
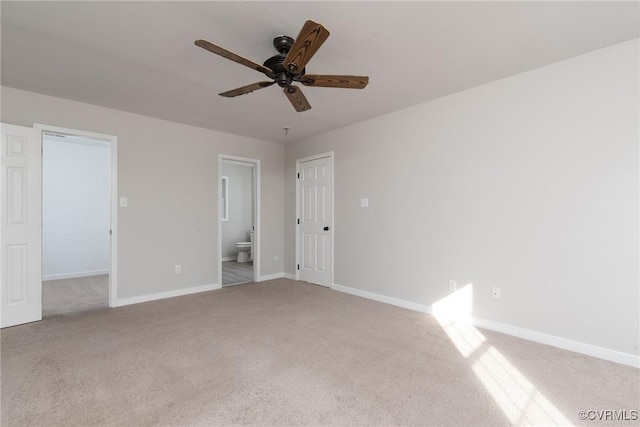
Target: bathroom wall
529	184
75	208
240	200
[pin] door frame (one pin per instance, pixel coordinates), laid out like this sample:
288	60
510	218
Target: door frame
330	155
112	140
256	231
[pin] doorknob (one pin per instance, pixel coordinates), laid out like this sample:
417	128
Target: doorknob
326	229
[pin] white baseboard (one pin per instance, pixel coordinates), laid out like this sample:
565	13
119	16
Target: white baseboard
289	276
76	275
167	294
564	343
229	258
270	276
528	334
383	298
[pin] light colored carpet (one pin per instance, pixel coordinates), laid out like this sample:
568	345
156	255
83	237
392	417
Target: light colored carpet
290	353
68	296
236	272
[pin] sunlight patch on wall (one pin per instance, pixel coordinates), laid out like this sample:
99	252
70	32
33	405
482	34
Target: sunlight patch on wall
455	306
453	313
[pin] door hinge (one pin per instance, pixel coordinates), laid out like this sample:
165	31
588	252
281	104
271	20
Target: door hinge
298	221
298	266
298	175
110	232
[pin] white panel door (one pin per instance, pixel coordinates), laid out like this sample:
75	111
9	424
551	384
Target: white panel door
315	212
21	248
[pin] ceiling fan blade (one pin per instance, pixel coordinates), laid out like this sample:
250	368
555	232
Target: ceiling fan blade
297	99
346	82
311	37
232	56
246	89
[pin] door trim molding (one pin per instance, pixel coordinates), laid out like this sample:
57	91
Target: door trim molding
256	232
113	151
330	155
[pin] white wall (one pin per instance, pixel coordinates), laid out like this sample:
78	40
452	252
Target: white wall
236	229
169	172
529	184
75	208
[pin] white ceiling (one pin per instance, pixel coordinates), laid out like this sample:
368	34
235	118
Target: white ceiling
140	57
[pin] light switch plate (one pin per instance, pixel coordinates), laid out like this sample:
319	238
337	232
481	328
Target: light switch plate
364	203
124	202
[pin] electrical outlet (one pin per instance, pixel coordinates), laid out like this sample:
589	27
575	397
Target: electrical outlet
495	293
453	286
178	269
275	258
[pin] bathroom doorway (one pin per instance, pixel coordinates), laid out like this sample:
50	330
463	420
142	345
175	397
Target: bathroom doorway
238	189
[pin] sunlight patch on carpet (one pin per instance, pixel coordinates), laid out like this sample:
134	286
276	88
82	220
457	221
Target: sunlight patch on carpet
520	401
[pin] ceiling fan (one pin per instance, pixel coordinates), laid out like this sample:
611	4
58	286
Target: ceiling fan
288	66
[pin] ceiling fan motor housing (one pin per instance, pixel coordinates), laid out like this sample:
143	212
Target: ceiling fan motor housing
284	78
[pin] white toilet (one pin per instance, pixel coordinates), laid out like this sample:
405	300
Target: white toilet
245	249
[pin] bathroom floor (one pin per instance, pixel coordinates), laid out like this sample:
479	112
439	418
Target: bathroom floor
234	272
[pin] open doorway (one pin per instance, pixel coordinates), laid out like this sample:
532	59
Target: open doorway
76	222
238	220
